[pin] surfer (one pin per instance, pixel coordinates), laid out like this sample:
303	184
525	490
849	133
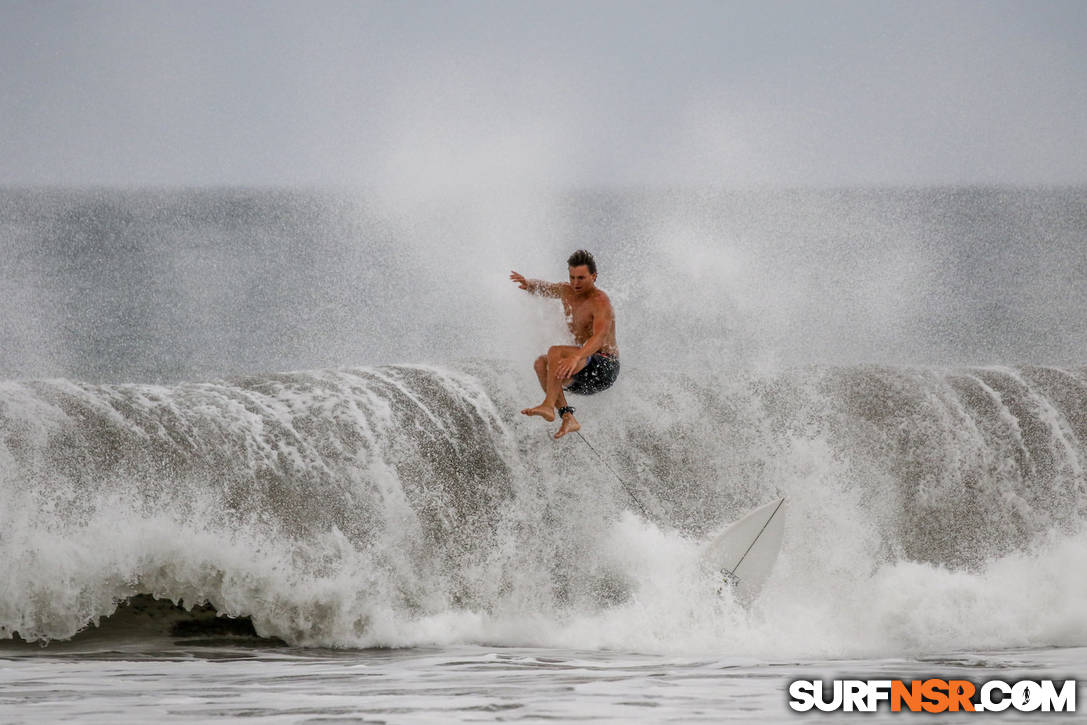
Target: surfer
588	367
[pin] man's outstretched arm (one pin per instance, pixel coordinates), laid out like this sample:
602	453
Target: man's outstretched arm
537	286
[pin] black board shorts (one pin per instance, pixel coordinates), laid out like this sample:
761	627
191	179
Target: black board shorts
598	374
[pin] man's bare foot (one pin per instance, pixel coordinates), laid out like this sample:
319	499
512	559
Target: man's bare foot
544	411
569	425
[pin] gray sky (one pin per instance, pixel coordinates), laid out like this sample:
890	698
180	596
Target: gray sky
403	94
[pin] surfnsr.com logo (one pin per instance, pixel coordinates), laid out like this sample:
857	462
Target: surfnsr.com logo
933	695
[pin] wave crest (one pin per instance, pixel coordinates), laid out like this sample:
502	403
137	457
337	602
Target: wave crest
395	504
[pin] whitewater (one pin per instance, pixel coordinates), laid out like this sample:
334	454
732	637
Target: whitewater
241	476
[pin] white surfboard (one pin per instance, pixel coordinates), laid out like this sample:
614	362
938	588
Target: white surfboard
744	553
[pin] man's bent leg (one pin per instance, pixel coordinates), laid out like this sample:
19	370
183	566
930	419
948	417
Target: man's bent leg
540	367
552	384
569	422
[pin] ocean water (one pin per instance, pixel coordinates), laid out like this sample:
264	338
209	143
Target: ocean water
260	454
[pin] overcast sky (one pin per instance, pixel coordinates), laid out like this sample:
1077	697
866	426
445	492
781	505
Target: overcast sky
545	92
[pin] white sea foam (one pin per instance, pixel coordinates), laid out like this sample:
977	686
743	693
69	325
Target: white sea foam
401	507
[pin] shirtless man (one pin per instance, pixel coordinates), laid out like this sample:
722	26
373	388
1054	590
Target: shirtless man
588	367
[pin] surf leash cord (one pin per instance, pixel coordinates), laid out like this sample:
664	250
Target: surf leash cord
617	477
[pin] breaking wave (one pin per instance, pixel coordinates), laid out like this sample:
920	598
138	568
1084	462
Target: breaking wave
408	505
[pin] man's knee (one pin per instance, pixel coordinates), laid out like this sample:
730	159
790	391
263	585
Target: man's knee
541	364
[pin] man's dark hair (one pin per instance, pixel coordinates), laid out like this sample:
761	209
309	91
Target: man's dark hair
581	257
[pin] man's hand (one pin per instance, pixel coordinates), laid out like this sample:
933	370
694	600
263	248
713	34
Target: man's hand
519	280
566	367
